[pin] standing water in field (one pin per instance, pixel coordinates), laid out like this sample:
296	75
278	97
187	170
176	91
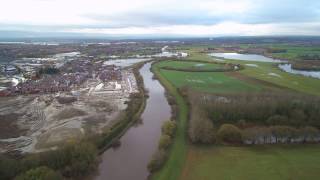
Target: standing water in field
130	160
244	57
288	68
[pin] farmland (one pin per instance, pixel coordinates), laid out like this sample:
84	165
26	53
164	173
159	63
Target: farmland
205	81
246	163
233	161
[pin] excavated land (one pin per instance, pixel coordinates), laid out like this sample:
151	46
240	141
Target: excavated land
39	122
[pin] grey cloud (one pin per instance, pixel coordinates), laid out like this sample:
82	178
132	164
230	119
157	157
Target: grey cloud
281	11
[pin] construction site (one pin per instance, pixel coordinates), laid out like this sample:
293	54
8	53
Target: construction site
82	99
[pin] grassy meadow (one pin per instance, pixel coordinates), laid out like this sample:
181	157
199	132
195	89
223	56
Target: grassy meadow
208	82
276	162
197	162
191	65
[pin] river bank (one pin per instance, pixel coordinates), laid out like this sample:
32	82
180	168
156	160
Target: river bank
140	140
173	167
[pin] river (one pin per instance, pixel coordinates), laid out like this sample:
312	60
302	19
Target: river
129	161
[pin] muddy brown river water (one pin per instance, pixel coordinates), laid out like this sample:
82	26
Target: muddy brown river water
129	161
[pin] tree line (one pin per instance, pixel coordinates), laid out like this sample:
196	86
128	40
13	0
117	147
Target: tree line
259	118
71	161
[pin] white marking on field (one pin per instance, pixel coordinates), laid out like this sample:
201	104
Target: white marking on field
274	74
251	65
195	80
198	65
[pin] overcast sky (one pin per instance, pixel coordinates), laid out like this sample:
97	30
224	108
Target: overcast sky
163	17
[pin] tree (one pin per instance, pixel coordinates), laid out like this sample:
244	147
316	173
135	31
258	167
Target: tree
229	133
241	123
165	141
309	134
201	129
169	128
81	159
75	159
256	135
277	120
283	133
157	160
8	167
40	173
298	117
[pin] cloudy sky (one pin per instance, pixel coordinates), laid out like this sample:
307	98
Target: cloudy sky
162	17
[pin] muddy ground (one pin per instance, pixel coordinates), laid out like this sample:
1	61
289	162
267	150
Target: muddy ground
34	123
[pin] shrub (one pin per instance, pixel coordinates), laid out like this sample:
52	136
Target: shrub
169	128
229	133
164	142
40	173
157	161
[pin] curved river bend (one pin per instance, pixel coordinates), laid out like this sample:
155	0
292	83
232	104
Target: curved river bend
129	161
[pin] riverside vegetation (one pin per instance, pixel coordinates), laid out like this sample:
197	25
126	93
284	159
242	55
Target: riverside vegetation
168	130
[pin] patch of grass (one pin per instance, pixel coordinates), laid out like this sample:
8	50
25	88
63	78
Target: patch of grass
216	82
275	162
191	65
269	72
294	52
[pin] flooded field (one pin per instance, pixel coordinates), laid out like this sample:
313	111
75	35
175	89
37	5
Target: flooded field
244	57
125	62
288	68
129	161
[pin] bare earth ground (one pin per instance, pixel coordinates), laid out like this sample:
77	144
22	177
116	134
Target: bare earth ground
34	123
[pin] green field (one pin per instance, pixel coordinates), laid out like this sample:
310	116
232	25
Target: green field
293	52
269	72
216	82
252	163
191	65
193	162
